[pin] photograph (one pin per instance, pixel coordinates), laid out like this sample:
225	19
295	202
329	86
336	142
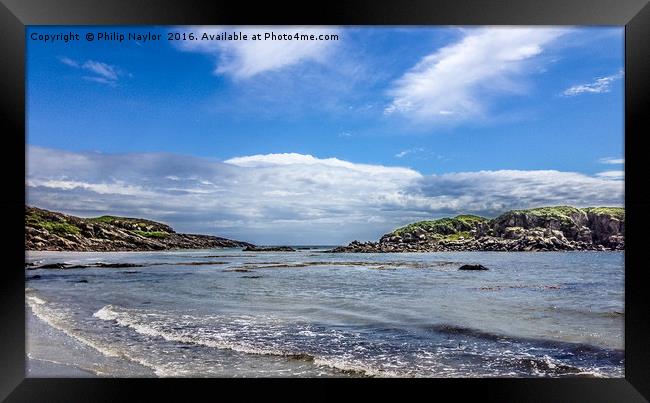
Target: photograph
307	201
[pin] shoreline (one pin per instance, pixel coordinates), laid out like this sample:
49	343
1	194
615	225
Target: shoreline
39	332
41	361
42	368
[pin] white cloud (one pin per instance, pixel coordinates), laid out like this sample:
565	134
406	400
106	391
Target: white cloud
244	59
101	72
600	85
113	187
295	159
612	161
290	198
458	81
618	174
69	62
404	153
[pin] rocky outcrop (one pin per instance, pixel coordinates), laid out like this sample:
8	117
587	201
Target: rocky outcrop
269	249
48	230
562	228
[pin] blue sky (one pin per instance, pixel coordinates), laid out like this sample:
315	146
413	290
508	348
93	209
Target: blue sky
325	141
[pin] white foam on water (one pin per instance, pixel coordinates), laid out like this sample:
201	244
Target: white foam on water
157	324
357	368
36	300
131	320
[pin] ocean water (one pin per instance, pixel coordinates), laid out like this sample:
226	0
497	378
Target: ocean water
312	314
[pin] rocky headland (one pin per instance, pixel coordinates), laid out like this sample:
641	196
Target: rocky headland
48	230
560	228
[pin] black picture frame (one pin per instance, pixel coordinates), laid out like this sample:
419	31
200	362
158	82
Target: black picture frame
15	15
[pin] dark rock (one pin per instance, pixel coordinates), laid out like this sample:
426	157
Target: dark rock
82	281
473	267
199	263
117	265
51	266
253	248
35	277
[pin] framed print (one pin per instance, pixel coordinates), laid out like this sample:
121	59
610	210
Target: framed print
433	194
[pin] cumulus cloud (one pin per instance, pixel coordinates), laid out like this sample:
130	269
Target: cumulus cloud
458	81
600	85
492	192
245	59
290	198
100	72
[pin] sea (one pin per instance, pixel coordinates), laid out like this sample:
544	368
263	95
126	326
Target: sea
310	313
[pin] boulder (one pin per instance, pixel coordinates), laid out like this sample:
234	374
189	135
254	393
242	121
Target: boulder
473	267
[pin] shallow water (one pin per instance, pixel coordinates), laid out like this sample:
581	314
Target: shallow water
310	313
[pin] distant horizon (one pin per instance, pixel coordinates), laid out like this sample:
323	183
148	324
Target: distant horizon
325	141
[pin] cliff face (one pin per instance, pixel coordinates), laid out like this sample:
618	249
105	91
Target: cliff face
597	226
540	229
47	230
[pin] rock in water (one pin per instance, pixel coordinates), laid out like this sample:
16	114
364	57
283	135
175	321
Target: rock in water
269	249
473	267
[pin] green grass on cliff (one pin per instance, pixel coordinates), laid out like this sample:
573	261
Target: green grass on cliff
55	227
456	236
616	212
109	219
560	212
140	223
151	234
444	226
564	213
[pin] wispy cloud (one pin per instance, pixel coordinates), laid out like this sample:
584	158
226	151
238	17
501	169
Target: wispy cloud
68	61
101	72
245	59
458	81
298	198
404	153
612	161
600	85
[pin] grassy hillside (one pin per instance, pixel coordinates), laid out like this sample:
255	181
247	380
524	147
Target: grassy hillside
560	213
444	226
